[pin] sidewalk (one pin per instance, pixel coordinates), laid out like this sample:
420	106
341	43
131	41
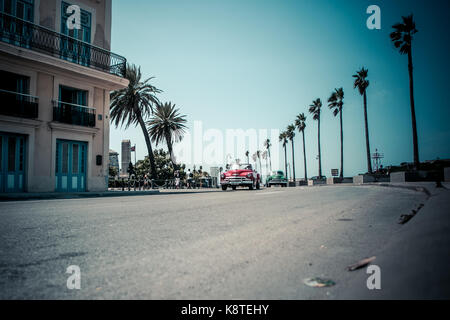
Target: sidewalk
73	195
416	262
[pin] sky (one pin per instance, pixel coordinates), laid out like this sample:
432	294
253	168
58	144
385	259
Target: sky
257	64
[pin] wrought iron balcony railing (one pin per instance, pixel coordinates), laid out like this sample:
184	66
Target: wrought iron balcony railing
31	36
17	104
73	114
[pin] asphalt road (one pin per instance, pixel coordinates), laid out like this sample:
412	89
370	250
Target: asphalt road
208	245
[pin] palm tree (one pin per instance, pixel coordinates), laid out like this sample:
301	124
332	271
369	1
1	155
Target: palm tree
362	83
283	137
267	144
254	157
300	123
132	104
264	156
402	38
314	109
258	155
336	102
291	134
167	125
247	155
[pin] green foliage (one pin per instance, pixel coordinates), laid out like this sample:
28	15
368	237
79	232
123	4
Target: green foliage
164	166
112	172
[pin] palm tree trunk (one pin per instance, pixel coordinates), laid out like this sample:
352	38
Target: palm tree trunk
320	156
369	164
304	155
149	147
413	112
270	159
342	147
169	147
285	160
293	162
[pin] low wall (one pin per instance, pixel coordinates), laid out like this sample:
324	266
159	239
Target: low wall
368	178
447	174
316	182
334	180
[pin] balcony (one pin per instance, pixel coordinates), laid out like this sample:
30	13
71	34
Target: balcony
73	114
37	38
18	104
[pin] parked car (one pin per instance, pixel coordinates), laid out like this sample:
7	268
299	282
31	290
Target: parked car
277	178
240	175
319	178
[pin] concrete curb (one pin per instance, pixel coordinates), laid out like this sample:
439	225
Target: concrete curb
53	195
414	188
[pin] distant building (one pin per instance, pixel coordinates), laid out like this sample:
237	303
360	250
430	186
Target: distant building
126	157
114	160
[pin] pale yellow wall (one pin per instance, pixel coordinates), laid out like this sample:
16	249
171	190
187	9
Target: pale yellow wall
46	74
43	136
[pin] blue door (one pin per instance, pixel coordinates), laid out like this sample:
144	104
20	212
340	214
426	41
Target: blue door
70	169
12	162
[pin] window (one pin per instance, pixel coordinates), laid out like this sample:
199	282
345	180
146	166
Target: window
14	82
82	34
71	49
22	9
72	95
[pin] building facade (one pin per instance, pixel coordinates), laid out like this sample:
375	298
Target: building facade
54	94
114	160
126	157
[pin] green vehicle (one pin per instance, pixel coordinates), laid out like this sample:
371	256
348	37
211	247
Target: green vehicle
277	178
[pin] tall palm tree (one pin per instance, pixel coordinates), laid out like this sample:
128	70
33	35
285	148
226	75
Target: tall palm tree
336	102
267	144
402	38
167	125
314	109
362	83
283	137
300	123
258	155
131	105
264	156
291	134
247	154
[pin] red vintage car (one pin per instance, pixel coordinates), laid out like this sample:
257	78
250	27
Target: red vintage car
240	175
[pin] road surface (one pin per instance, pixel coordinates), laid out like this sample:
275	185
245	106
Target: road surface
239	244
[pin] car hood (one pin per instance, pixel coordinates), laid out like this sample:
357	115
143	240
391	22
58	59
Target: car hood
277	177
238	172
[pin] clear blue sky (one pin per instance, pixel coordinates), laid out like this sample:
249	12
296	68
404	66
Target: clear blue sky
263	62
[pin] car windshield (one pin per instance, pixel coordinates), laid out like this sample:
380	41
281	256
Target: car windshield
244	166
277	173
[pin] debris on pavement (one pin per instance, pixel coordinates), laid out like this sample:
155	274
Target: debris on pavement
360	264
404	218
318	282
